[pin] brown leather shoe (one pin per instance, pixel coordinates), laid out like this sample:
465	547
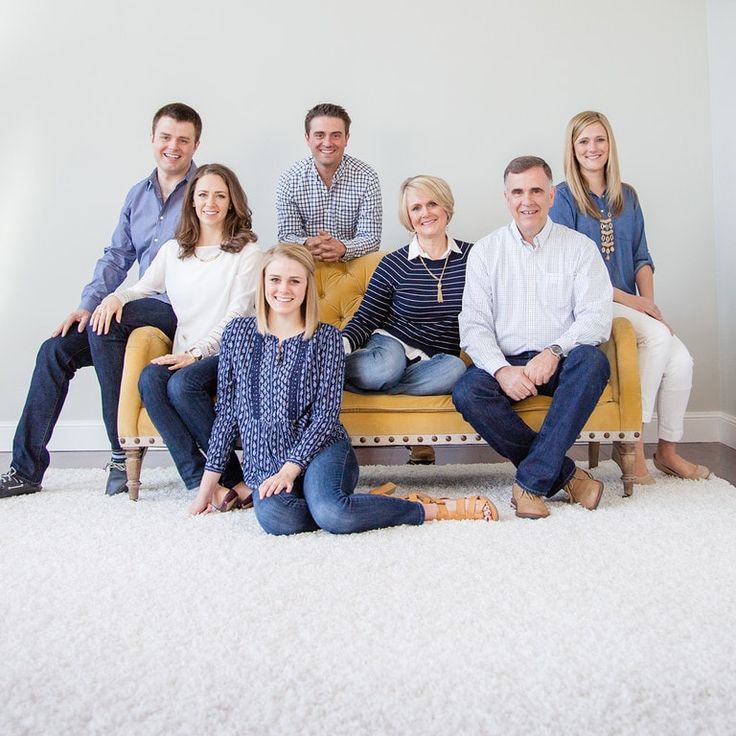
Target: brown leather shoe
584	489
421	455
528	505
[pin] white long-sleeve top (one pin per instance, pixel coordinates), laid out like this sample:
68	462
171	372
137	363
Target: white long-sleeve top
206	291
523	296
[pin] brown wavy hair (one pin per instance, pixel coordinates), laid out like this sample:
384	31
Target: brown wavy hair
238	221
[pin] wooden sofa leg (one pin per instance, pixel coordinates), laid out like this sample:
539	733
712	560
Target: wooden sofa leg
628	458
133	462
594	452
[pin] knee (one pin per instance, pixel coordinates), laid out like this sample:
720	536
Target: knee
681	362
183	384
469	387
335	516
592	360
374	372
151	380
273	516
657	335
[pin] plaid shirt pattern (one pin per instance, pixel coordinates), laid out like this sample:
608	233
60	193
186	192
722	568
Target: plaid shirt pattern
350	210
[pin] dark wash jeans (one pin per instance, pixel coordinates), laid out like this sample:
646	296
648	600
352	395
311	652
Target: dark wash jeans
542	466
323	498
58	359
180	405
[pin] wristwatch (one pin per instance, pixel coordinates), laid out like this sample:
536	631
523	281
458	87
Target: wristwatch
555	350
196	353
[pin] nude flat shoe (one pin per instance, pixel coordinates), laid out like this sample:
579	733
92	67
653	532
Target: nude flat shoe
701	472
640	480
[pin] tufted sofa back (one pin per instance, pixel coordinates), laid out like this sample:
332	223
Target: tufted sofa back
340	287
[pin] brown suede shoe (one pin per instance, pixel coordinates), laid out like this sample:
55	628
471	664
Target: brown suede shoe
584	489
528	505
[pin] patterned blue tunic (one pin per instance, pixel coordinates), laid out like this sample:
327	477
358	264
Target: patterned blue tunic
284	399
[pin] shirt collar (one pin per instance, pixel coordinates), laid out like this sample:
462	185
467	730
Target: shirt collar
153	180
338	171
539	240
416	250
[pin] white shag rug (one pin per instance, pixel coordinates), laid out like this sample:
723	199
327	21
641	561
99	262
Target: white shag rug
125	618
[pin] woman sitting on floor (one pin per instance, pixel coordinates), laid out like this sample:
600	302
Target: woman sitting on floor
594	201
209	272
280	385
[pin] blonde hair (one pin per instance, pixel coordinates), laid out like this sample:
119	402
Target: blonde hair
438	189
575	179
310	306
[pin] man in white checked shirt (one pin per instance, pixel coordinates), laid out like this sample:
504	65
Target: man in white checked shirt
537	301
330	202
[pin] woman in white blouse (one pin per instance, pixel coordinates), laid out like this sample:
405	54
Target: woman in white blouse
210	272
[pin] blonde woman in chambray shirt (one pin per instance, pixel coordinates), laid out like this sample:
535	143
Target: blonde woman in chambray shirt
594	201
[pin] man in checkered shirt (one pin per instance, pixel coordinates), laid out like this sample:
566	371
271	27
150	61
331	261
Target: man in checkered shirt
330	202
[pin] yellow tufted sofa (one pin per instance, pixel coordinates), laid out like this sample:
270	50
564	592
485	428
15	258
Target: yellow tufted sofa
383	420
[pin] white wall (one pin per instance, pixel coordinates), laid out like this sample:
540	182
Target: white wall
453	89
721	25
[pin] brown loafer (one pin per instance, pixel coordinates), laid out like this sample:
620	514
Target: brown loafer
528	505
421	455
582	488
701	472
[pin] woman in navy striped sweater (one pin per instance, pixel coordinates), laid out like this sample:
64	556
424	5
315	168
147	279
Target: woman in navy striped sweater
404	338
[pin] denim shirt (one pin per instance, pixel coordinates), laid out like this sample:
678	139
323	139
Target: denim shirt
630	241
146	223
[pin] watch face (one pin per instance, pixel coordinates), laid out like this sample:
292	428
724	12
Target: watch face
556	350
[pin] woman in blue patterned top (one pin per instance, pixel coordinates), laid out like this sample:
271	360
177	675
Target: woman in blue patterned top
594	201
280	385
404	338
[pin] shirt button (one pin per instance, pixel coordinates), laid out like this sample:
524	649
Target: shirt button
155	240
162	217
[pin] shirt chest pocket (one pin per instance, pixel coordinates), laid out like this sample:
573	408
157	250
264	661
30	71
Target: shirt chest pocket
555	290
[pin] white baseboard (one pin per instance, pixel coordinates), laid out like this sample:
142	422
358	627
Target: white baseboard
79	436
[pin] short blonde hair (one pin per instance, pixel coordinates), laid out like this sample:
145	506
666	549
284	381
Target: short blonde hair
574	177
438	189
310	306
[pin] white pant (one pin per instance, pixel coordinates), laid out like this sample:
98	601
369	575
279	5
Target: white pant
665	371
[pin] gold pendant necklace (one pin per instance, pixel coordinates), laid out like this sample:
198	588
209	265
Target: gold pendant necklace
209	260
607	242
440	298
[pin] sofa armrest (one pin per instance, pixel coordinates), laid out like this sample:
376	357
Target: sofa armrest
144	344
622	354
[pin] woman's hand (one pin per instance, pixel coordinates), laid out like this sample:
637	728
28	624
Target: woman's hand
201	504
175	361
108	308
281	481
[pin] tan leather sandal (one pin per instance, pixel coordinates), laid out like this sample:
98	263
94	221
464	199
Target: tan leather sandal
478	508
384	490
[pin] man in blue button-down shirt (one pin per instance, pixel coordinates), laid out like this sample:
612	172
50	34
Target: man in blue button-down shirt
148	219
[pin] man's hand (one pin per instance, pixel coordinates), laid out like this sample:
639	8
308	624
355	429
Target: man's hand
515	383
281	481
102	317
541	367
79	315
326	248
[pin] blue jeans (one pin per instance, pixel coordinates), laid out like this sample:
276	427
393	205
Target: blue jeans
323	498
180	406
542	466
58	359
382	366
